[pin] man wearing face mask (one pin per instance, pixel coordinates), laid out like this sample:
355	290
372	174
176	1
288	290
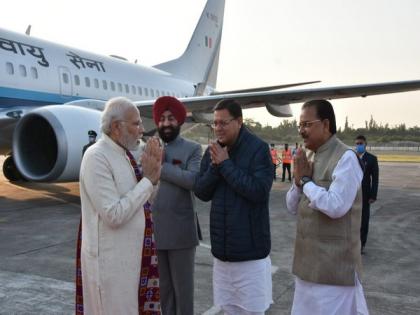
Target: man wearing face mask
92	140
369	184
176	226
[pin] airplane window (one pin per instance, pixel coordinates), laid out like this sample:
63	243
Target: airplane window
76	80
96	83
65	78
112	86
9	68
87	81
127	89
152	93
146	92
157	93
119	87
34	73
22	70
104	84
139	90
133	89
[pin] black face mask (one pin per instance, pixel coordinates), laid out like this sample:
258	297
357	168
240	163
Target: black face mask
169	133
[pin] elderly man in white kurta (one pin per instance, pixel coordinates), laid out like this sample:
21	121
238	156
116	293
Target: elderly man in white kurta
112	211
326	198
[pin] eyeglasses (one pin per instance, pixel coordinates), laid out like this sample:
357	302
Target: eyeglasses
137	124
358	143
222	123
307	124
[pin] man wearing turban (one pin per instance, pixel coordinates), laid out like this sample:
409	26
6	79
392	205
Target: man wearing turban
175	220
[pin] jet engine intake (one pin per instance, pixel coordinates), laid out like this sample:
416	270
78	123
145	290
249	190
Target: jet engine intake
48	142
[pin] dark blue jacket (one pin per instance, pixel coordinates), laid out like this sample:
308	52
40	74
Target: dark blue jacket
370	176
239	189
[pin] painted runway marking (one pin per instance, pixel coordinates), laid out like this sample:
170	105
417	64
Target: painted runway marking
212	311
205	245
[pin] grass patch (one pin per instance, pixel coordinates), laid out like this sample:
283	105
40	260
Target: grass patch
406	158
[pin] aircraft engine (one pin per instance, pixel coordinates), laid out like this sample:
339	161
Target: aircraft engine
279	110
203	117
48	142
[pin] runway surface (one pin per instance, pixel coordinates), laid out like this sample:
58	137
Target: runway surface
38	226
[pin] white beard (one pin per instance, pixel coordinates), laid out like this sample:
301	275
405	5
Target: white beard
129	142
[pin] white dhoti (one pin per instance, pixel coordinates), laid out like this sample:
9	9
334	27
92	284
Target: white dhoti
244	284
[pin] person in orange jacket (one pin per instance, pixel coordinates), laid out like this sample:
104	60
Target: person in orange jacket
286	157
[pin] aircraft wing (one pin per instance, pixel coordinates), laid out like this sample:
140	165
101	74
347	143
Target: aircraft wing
266	88
277	102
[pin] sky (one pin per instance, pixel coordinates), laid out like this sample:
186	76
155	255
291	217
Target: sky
265	42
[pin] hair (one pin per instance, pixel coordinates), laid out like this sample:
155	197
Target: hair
232	106
115	109
324	110
361	137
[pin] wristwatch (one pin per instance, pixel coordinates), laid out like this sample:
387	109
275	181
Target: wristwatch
304	180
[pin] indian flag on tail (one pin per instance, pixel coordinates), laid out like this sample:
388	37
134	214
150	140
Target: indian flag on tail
208	41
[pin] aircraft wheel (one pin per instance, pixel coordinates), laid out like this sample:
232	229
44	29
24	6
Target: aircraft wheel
10	171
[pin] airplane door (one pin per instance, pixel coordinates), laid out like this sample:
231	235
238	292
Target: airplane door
65	79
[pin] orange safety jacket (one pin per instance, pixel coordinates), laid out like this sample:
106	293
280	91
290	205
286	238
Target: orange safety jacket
274	156
286	156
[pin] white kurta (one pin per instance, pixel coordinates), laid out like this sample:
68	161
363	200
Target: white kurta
112	229
320	299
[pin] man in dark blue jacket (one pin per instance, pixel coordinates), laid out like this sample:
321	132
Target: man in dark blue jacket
369	184
236	174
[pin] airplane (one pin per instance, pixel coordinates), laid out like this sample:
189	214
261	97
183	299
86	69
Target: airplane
51	95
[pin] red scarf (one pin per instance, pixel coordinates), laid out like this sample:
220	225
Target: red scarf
149	294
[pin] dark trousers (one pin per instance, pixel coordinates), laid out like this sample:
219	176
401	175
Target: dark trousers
286	166
364	228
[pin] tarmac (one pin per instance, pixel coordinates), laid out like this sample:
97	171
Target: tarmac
38	226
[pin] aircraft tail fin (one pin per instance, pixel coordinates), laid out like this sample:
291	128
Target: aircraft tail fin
200	60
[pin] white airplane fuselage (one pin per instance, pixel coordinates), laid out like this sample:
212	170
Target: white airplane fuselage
36	72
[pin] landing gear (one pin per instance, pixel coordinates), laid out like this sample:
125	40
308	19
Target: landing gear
10	171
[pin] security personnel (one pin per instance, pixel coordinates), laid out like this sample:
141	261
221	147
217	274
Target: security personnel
369	184
286	157
92	140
